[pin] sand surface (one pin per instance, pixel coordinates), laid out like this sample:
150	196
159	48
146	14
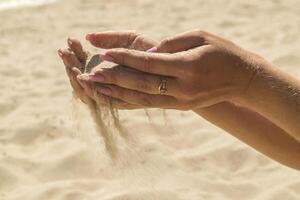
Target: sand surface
45	153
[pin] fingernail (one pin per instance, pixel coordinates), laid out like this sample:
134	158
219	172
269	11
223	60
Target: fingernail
98	77
106	91
60	53
106	57
152	50
70	41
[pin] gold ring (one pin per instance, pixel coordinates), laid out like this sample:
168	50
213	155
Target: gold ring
162	88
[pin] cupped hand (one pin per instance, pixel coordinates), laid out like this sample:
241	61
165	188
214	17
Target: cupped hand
74	58
199	69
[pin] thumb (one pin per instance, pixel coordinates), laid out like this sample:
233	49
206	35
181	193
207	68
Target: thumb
182	42
120	39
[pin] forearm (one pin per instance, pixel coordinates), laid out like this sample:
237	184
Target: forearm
275	95
254	130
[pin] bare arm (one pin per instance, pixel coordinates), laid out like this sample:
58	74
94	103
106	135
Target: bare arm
275	95
255	130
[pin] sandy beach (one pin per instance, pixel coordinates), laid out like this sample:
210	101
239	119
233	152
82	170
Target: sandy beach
49	147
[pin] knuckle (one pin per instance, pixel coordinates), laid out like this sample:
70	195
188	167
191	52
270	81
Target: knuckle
68	58
184	59
127	52
139	43
147	63
138	37
70	54
133	34
202	33
143	84
124	55
192	54
113	75
166	44
117	92
132	37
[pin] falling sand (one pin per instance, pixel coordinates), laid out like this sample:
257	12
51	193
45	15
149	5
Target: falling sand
106	118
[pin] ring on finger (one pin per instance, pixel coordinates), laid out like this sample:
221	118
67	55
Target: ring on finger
162	88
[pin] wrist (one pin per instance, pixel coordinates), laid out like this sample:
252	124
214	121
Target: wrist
258	70
253	67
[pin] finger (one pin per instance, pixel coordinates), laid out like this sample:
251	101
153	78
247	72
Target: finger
154	63
183	41
103	100
75	85
87	87
89	90
134	80
69	60
75	45
77	89
123	39
138	98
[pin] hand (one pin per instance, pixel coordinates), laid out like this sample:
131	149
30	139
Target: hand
200	70
74	59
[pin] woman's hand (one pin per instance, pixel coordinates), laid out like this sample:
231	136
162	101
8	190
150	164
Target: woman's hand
216	70
197	68
74	58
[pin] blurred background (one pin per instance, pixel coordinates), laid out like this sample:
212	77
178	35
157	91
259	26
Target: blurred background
49	148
